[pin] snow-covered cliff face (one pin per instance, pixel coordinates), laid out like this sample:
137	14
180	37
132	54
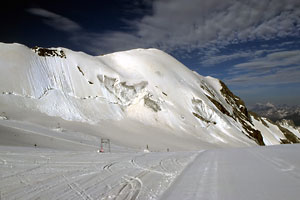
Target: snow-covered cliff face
145	85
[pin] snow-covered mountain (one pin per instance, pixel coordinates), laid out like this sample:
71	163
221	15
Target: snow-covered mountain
278	112
131	96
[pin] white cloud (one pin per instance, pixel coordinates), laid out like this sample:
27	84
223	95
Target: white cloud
56	21
273	60
213	60
209	59
178	24
174	25
277	77
273	69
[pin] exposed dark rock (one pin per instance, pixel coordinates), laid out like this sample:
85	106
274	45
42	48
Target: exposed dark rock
203	119
236	102
288	122
49	52
258	118
255	134
240	113
206	88
290	137
264	123
150	103
219	106
285	141
80	70
255	115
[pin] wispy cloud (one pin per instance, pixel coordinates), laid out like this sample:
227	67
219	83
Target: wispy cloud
177	24
209	60
276	77
174	25
272	69
56	21
273	60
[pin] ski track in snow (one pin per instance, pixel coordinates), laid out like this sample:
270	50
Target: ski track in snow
42	174
240	173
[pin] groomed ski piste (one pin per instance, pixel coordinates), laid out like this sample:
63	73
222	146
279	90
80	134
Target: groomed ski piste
174	134
236	173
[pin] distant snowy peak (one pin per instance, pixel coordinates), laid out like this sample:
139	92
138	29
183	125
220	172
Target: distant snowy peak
278	112
286	122
144	85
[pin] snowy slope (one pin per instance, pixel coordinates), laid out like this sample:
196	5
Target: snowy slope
143	87
290	126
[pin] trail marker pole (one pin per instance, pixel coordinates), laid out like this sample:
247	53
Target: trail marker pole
106	143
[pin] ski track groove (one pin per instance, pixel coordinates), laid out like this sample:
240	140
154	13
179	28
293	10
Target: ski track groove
279	164
57	181
133	184
151	169
108	166
22	172
4	161
117	177
77	189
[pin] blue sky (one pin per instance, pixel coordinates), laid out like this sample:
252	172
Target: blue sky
253	46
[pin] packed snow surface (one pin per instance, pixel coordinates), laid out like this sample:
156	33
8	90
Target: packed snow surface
46	174
241	173
248	173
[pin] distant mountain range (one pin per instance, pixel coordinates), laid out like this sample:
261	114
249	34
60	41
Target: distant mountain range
278	112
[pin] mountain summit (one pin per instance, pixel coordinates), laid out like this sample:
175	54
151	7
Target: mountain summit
136	97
